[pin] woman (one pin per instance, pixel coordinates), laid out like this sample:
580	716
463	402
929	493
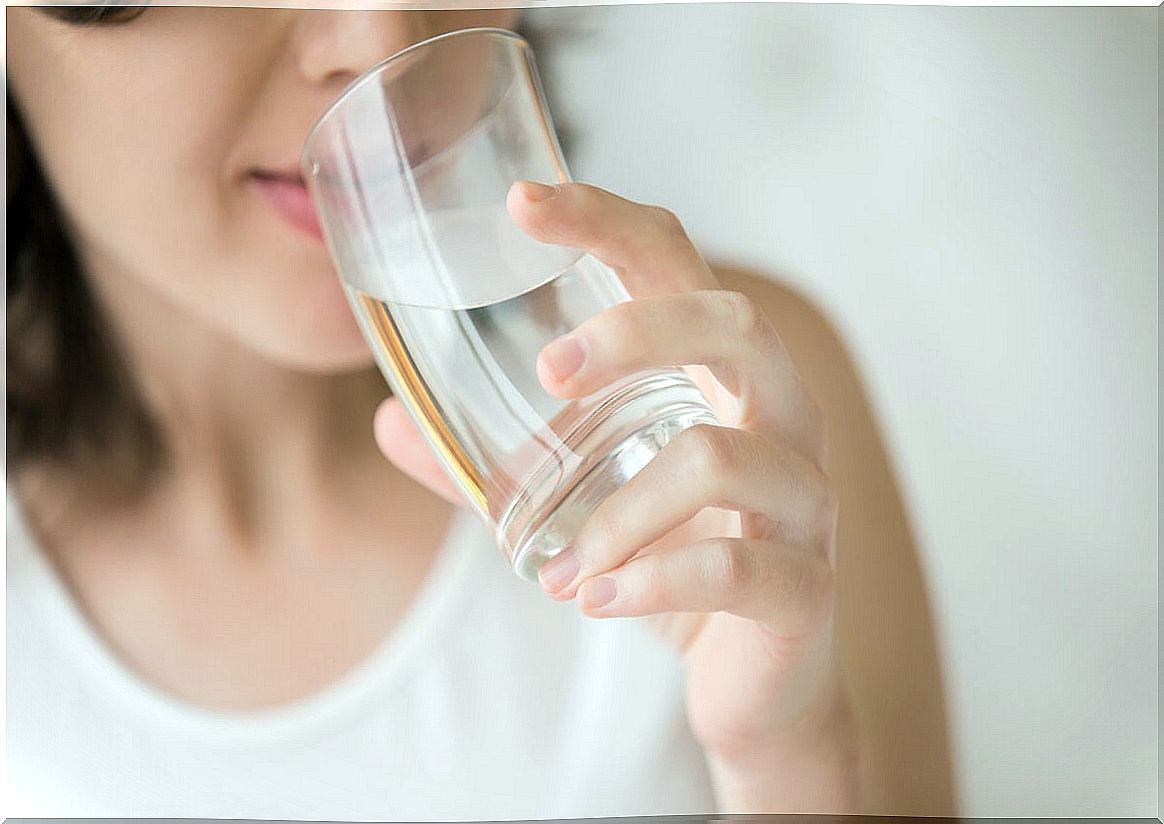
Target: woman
225	602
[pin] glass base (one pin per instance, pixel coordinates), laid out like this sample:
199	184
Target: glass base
622	436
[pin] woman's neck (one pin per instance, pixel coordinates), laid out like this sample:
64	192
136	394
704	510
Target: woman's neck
254	446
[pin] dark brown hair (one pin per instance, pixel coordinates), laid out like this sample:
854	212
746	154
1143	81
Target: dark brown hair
72	401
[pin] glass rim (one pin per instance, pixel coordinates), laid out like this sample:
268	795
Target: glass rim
381	65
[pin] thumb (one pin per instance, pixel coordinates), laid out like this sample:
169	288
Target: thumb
402	443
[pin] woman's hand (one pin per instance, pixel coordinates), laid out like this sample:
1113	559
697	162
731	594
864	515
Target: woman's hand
726	539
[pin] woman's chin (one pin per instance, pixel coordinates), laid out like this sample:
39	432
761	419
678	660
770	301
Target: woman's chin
324	357
327	337
305	322
322	348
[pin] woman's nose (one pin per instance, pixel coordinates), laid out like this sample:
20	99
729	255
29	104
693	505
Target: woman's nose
335	46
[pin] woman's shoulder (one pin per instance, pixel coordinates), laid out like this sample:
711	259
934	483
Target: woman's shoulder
805	327
885	624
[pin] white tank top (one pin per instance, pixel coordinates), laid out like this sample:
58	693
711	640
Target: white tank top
487	701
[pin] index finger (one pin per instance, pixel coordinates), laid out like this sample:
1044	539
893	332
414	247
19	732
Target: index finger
646	246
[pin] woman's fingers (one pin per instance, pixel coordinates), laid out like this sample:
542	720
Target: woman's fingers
401	442
646	245
764	581
704	466
717	328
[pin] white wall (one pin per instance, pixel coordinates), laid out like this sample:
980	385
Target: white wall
971	193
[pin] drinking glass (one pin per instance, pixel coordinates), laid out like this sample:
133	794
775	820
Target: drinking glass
408	170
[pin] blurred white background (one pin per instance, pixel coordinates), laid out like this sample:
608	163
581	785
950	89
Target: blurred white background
971	196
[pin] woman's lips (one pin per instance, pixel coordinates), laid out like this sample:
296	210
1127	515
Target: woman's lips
290	198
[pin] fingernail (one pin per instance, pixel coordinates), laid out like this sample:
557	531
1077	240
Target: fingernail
565	356
538	191
560	570
598	592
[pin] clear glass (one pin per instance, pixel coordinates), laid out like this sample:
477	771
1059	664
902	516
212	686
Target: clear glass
408	171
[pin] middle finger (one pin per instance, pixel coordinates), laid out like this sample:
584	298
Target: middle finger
720	329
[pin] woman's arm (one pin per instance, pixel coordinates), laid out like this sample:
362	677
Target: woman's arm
727	540
885	630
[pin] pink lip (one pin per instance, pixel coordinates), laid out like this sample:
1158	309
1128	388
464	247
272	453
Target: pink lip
291	201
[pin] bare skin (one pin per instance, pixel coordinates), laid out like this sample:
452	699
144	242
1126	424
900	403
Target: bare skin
276	498
357	576
283	546
885	626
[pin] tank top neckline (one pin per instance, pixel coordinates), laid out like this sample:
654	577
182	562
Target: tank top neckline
442	594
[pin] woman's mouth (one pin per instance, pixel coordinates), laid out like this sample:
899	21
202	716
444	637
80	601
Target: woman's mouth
290	199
